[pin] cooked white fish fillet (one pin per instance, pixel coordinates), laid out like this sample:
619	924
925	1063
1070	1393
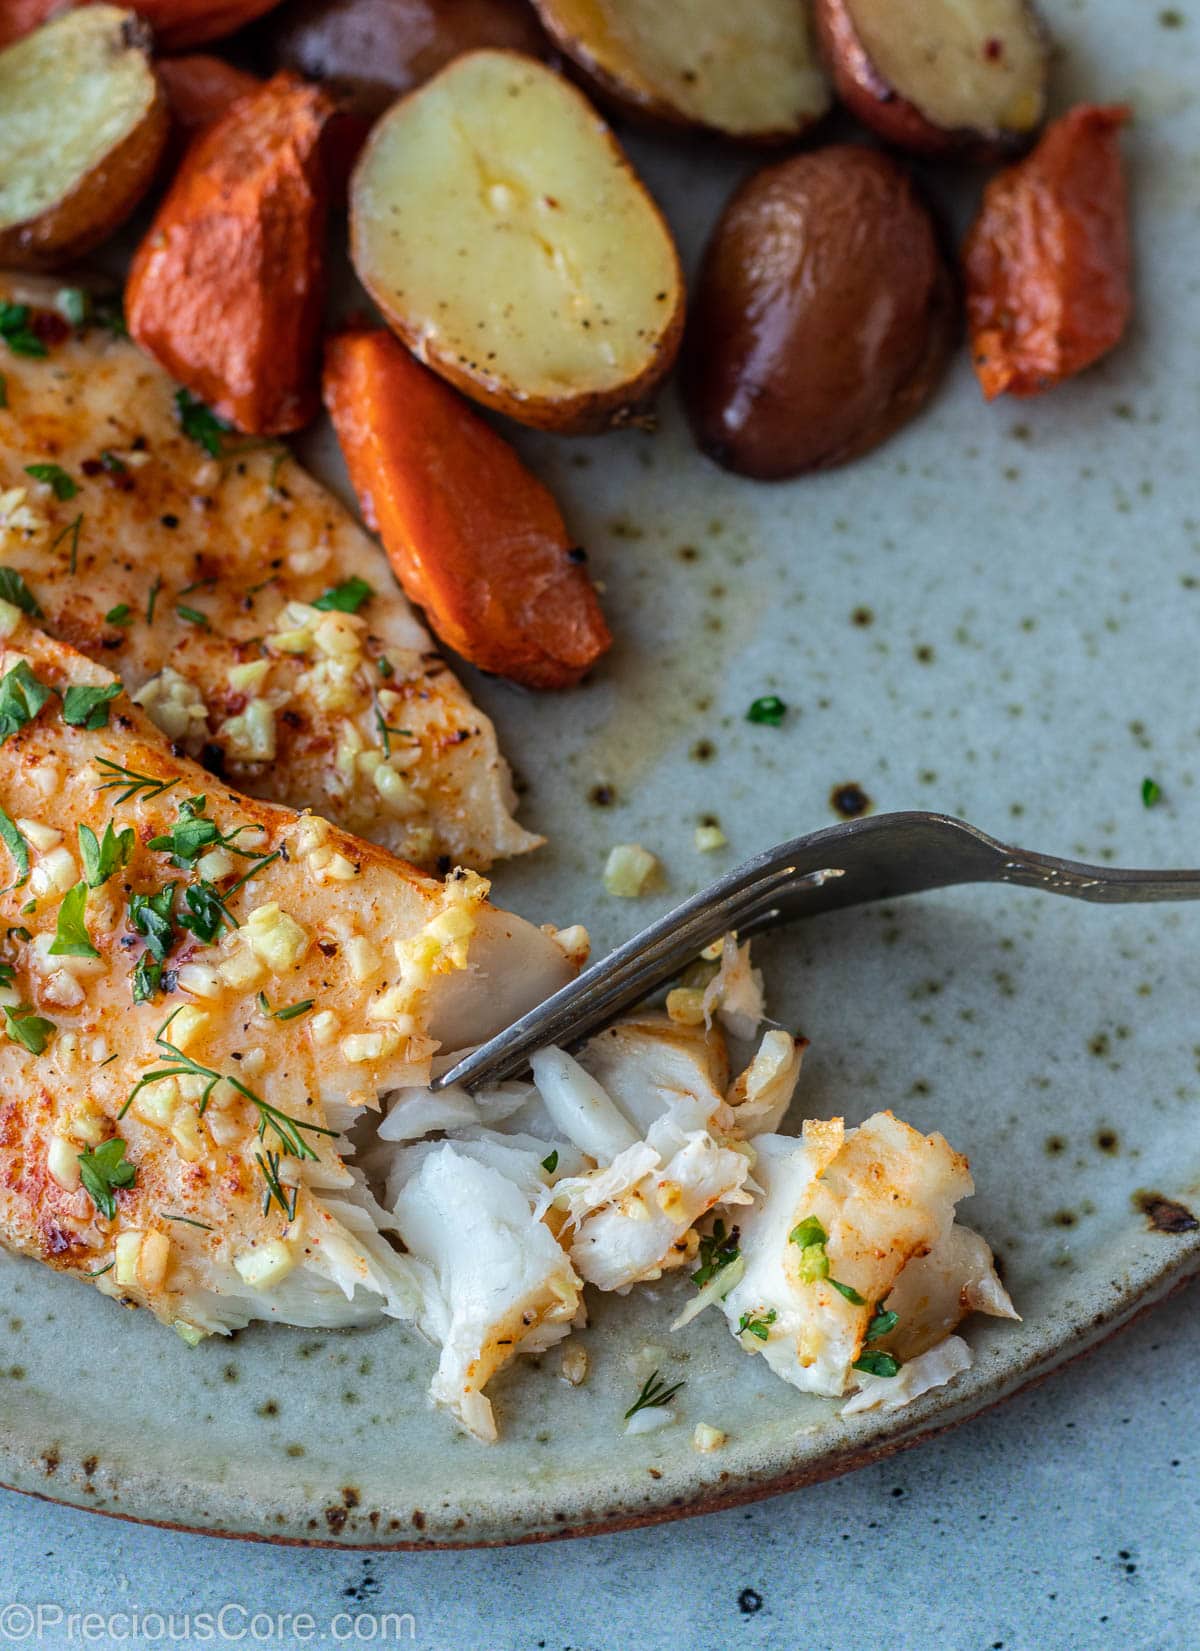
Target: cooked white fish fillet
645	1140
835	1255
494	1280
198	991
203	582
820	1290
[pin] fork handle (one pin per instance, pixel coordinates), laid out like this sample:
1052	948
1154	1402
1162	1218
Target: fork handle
881	858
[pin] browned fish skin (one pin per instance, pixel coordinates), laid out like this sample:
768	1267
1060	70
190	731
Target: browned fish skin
168	560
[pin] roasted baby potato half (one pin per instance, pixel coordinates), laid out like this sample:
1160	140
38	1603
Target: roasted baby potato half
745	68
940	76
83	124
368	52
508	241
823	316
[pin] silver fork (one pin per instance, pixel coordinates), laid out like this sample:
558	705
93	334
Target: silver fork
846	865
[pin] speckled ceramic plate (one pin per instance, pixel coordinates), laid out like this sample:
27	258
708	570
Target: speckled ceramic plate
996	616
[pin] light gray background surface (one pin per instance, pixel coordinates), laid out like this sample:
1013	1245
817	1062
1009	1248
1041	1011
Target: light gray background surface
1067	1520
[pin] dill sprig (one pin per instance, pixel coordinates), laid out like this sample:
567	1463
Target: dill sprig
129	782
276	1191
655	1393
287	1129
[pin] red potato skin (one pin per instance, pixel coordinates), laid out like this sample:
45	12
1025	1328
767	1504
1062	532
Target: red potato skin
474	538
181	24
20	17
367	53
200	89
870	98
1047	262
823	318
225	291
177	24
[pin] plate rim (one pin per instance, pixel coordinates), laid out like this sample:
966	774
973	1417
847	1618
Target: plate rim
938	1413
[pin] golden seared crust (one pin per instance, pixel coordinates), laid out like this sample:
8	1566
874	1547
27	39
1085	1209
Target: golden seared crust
167	559
168	1038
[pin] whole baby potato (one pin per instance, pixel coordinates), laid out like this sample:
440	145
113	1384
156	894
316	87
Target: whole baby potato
823	318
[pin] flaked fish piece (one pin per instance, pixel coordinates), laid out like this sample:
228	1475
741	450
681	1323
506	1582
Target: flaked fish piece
254	619
850	1262
494	1280
198	993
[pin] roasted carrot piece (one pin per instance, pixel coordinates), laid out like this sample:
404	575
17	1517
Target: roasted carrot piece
200	88
1047	260
472	535
225	291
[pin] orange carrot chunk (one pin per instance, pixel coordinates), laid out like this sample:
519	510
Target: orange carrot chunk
1047	262
474	538
225	291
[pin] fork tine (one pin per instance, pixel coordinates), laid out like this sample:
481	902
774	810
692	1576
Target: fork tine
628	975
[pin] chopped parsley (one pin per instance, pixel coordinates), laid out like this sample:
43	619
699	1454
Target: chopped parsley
71	938
655	1393
21	698
86	707
200	424
103	1171
290	1012
111	464
106	855
27	1029
193	832
206	912
813	1265
71	528
347	597
850	1293
147	978
16	845
717	1251
550	1162
56	478
122	614
807	1233
14	589
881	1324
770	710
7	974
16	331
757	1324
877	1364
150	915
126	780
1151	793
